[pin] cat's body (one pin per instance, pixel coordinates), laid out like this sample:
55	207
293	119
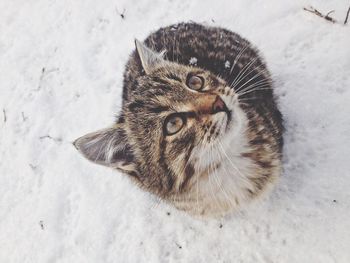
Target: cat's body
199	125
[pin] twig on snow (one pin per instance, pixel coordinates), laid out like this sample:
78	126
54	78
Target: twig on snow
32	166
318	13
179	246
327	17
347	16
41	78
43	74
121	14
314	11
41	224
24	117
5	118
50	137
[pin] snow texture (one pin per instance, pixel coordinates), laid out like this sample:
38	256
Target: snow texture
193	61
61	65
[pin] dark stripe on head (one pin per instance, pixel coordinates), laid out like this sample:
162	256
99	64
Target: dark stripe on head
121	119
189	170
259	141
161	81
256	158
260	182
162	162
136	105
185	141
173	77
264	164
158	109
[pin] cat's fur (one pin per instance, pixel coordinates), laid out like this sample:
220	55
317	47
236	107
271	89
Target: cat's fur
219	159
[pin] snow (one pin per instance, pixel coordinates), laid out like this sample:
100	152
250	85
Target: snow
61	76
193	61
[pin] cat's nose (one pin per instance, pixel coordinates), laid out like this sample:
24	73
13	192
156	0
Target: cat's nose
218	105
209	104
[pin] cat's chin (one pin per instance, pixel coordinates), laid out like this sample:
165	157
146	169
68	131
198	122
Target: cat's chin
234	124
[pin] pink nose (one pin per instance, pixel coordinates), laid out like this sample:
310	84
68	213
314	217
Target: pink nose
218	105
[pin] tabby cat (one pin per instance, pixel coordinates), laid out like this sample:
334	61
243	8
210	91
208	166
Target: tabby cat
199	125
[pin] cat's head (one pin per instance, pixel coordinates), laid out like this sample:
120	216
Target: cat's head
171	127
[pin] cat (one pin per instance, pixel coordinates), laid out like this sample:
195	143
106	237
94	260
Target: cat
199	125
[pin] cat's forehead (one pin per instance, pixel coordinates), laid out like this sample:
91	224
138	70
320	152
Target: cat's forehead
172	77
162	81
175	71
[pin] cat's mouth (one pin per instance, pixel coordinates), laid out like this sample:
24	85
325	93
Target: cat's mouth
230	101
220	106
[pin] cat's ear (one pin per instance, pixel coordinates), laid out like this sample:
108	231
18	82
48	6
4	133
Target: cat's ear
108	147
149	58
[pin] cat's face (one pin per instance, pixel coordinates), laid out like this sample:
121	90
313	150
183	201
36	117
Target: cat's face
173	125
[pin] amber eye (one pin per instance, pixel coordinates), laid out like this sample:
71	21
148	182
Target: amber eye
195	82
173	124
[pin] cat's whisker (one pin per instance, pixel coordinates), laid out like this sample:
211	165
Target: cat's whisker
238	57
254	86
229	177
237	86
197	195
252	78
249	98
220	186
197	192
181	198
230	193
211	187
264	87
242	72
156	203
242	176
243	75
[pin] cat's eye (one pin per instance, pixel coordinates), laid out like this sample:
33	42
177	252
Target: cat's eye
173	124
195	82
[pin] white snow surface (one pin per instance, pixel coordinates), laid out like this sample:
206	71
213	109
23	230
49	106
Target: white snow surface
55	206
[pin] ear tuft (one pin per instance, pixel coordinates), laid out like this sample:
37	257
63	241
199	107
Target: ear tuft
108	147
149	58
